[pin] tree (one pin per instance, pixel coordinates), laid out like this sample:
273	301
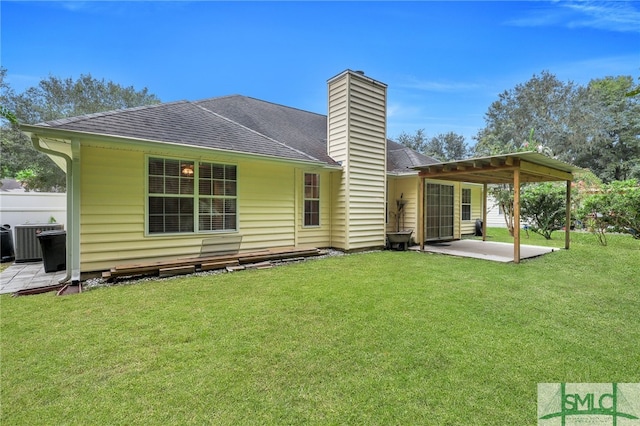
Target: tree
543	104
543	206
503	194
444	147
56	98
616	207
448	147
417	142
51	99
595	127
614	153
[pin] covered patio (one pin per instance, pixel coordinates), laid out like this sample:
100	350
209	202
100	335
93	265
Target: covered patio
515	169
486	250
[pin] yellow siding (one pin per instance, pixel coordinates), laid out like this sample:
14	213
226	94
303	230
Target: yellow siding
357	139
338	211
408	187
314	236
337	121
457	210
468	227
113	211
266	194
337	132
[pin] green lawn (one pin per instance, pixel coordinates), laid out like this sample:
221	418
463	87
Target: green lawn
375	338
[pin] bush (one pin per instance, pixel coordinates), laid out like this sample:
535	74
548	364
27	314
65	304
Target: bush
543	206
615	208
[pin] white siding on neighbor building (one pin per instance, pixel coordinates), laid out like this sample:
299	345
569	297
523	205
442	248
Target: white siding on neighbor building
20	208
495	219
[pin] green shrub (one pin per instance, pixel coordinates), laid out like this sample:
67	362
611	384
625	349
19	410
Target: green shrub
543	206
615	208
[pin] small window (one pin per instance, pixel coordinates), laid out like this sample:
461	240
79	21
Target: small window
311	199
466	204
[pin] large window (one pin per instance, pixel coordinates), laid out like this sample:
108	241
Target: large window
466	204
173	195
311	199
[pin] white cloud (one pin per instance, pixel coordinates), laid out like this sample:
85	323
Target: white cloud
613	16
619	16
437	86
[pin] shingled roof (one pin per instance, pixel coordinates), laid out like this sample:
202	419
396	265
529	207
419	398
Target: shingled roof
233	123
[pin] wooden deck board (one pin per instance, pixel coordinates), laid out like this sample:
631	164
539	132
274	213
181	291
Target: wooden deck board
207	263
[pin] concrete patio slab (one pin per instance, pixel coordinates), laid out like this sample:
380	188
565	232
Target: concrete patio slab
22	276
487	250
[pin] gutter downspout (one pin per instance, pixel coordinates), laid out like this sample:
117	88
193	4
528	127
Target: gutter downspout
72	274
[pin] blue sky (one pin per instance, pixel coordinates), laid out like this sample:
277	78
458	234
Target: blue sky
444	62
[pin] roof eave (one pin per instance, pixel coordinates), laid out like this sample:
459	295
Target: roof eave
65	134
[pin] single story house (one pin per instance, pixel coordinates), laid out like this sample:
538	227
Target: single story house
239	174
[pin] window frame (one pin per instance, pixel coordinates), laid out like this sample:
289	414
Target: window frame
315	200
464	204
195	197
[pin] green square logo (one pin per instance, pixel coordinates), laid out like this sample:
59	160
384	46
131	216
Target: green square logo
601	404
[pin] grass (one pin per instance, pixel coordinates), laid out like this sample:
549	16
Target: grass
376	338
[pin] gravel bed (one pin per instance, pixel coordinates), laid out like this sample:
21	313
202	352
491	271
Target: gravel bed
101	282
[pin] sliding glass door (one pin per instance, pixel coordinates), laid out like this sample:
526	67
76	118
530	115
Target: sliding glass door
439	212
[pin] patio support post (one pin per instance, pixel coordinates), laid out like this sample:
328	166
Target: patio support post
74	233
484	212
422	213
567	225
516	215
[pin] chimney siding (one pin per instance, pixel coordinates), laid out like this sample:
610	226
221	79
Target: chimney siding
357	135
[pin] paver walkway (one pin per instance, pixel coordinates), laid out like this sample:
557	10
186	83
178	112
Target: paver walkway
21	276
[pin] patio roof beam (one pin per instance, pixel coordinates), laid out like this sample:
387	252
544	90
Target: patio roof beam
543	171
439	173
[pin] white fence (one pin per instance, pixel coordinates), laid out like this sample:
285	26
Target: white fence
20	208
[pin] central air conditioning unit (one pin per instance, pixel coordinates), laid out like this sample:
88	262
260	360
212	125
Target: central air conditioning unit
27	245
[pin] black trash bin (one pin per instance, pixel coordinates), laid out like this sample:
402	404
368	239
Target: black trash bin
8	253
478	228
54	250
